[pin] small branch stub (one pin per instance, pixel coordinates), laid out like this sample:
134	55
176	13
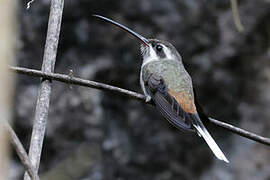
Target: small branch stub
239	26
29	4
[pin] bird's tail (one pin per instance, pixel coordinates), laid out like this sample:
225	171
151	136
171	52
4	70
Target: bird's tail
209	140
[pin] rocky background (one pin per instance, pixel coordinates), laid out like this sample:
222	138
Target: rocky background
94	135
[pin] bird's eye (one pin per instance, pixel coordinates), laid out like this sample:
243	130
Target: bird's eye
159	48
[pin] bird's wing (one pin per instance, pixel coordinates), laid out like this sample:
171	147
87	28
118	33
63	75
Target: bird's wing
169	104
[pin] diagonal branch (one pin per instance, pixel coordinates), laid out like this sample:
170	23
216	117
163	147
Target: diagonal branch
21	152
43	101
92	84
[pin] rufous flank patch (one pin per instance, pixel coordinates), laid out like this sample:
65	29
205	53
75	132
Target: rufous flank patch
184	100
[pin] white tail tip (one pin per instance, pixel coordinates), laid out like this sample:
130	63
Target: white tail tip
211	142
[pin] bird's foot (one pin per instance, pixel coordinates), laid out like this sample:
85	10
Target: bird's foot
148	99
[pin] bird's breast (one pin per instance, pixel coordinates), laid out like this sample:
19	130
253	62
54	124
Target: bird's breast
173	73
177	80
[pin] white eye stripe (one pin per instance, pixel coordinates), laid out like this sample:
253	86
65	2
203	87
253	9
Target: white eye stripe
151	57
167	52
151	54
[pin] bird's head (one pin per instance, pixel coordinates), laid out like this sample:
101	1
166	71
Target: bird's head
158	50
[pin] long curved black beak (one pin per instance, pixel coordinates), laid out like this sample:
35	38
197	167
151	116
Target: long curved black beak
142	39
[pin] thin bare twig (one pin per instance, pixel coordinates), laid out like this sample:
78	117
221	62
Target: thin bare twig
241	132
76	81
236	17
21	152
92	84
43	100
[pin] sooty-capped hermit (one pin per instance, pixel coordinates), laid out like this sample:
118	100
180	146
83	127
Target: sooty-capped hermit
164	79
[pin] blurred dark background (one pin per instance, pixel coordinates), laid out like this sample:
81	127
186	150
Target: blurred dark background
95	135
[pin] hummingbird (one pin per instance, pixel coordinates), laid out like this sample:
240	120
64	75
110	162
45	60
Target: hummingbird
165	81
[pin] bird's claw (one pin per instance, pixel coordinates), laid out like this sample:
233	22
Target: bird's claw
148	99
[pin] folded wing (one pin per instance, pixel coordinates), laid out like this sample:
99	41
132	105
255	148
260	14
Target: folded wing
168	105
